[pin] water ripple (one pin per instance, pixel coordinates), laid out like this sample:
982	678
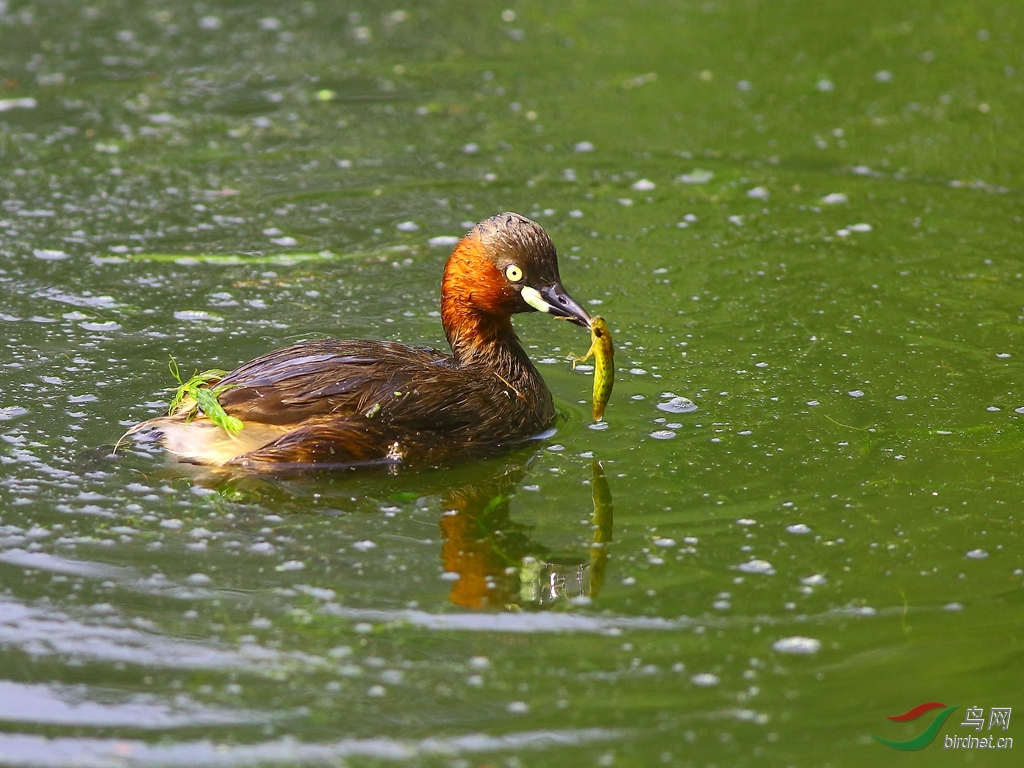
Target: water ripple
40	752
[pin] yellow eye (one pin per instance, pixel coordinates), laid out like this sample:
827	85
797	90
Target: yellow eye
513	273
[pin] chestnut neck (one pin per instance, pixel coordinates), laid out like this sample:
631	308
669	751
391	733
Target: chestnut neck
476	323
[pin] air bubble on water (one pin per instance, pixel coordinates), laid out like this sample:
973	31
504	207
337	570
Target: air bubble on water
861	610
697	176
644	185
100	327
757	566
47	254
678	405
443	241
663	434
195	315
798	528
11	412
407	226
836	198
801	646
759	193
22	103
977	554
705	680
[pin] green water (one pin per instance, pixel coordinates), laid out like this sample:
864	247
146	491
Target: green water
805	218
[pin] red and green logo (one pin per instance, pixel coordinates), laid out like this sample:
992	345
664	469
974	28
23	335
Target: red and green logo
923	739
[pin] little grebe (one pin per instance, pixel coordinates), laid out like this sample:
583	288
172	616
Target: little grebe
327	402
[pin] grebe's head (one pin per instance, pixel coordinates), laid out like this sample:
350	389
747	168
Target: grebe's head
507	264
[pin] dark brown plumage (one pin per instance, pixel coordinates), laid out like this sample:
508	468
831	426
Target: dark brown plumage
329	403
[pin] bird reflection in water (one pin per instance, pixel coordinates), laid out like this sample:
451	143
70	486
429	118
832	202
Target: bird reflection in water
497	562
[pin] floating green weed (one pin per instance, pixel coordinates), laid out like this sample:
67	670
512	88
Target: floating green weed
282	259
232	258
204	397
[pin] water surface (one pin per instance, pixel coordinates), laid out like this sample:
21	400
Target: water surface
803	225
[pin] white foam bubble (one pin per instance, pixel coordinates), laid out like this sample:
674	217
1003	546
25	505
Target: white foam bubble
756	566
801	646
